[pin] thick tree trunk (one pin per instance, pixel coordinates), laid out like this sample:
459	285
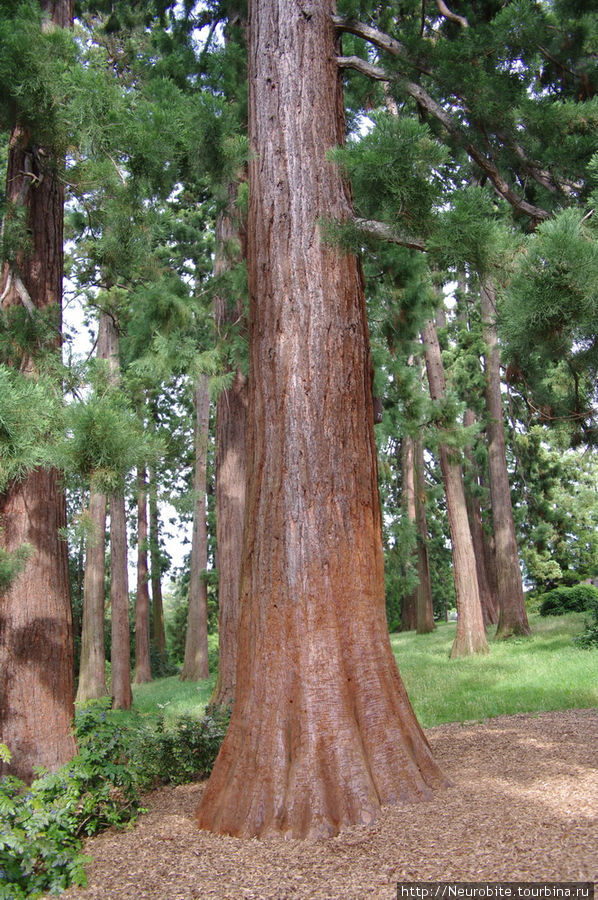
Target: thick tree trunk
487	598
143	668
409	604
92	668
425	605
195	664
231	469
322	733
512	616
36	640
471	634
158	630
120	659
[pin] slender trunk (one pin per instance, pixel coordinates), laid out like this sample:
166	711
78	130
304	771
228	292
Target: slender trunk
474	513
512	617
122	697
195	664
471	634
425	605
92	669
36	638
409	605
322	733
143	669
231	465
158	630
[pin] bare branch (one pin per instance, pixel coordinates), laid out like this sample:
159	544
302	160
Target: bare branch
446	12
24	294
377	38
386	233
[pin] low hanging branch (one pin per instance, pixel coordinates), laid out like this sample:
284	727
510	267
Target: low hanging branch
421	96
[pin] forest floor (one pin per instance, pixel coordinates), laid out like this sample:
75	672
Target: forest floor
523	807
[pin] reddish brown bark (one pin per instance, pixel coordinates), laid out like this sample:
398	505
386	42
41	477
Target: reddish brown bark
322	733
195	664
231	465
143	668
409	604
512	616
120	659
36	645
471	634
425	605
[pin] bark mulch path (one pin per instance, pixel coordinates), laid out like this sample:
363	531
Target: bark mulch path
523	807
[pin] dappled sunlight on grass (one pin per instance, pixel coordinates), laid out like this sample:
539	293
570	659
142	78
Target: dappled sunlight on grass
172	697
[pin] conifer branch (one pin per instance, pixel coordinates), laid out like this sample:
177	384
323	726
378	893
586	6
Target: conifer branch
377	73
453	17
386	233
377	38
14	279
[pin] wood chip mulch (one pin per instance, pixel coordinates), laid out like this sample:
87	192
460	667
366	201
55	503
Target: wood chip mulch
523	807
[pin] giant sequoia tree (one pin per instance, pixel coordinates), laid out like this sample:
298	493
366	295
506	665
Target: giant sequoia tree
322	732
36	652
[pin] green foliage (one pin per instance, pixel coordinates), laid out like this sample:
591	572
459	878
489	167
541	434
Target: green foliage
30	423
42	825
11	564
589	638
184	751
561	600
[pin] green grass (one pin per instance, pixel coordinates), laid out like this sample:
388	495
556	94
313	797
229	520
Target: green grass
537	674
541	673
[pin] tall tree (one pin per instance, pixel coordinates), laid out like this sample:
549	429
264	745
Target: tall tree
471	634
36	651
318	692
143	669
425	605
195	664
512	615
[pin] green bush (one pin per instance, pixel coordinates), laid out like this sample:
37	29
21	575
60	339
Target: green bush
42	825
182	752
576	598
589	638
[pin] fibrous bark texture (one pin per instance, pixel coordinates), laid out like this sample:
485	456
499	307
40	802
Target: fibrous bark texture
92	668
143	669
231	466
195	664
322	733
471	633
36	641
512	615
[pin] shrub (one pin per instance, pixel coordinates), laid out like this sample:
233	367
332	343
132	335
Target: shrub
576	598
182	752
589	638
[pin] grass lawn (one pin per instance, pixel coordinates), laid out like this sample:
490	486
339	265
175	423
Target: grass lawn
541	673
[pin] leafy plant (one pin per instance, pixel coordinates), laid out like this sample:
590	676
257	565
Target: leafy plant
589	638
576	598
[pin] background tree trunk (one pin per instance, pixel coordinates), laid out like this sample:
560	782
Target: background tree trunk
425	605
195	664
92	669
231	468
122	696
471	634
143	668
512	615
158	629
409	604
322	733
36	639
